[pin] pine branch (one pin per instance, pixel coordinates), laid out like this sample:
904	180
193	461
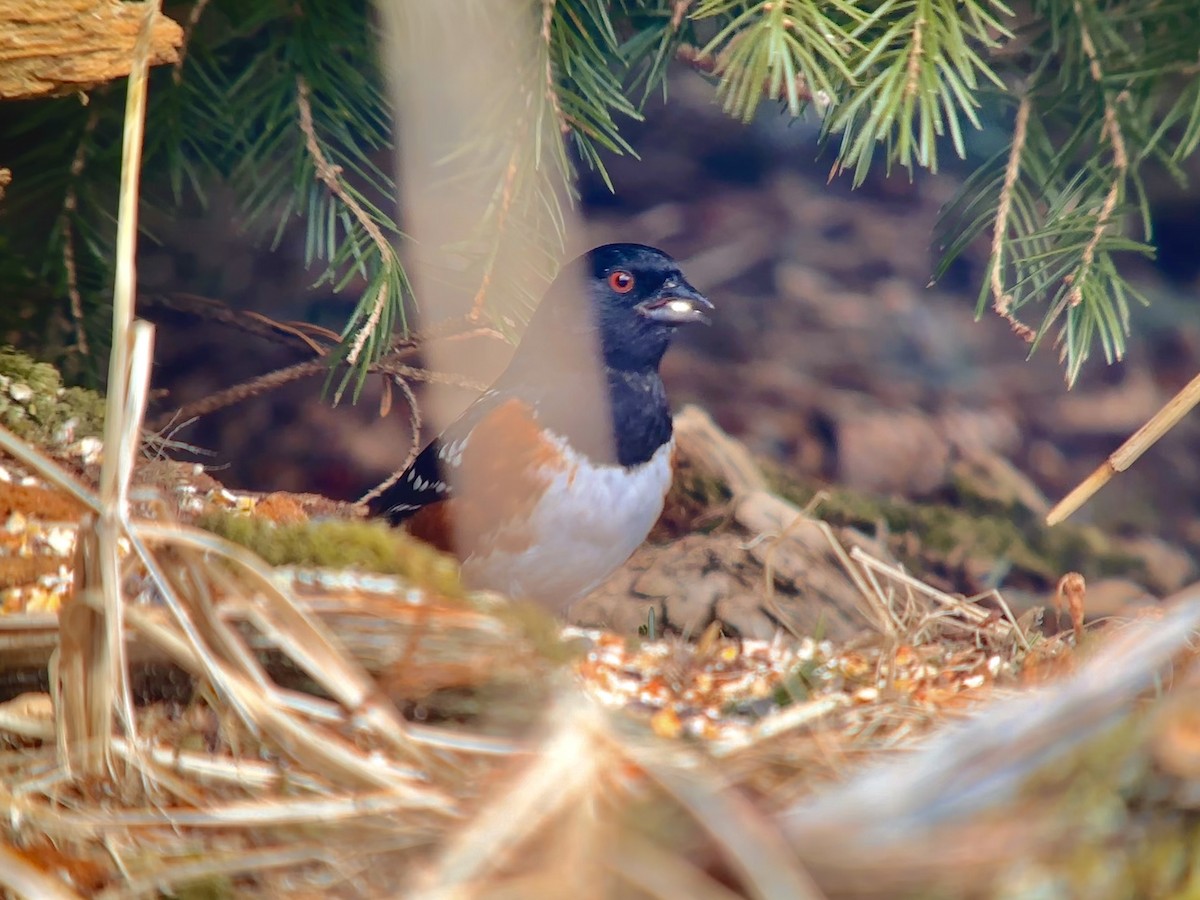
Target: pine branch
285	103
69	209
917	77
792	47
1104	95
331	176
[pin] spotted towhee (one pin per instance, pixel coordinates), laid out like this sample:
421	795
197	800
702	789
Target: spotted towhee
552	478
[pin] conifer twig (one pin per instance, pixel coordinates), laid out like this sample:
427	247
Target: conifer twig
194	15
916	50
330	175
414	424
69	208
551	89
506	201
1112	129
1001	299
708	64
261	384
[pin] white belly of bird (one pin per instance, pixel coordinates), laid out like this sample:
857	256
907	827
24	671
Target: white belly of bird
587	524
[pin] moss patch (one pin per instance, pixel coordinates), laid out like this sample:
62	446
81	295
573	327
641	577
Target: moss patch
970	533
35	406
366	546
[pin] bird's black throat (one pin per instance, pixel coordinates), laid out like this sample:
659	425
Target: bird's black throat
638	412
641	415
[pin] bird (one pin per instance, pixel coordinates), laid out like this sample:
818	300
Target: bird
554	476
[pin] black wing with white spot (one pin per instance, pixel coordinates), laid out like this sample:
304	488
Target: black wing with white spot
429	477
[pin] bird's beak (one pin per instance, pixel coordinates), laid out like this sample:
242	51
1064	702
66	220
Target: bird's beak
676	304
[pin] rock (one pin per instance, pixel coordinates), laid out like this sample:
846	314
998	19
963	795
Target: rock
887	451
743	615
689	611
981	430
653	584
1168	568
990	477
623	615
1116	411
1110	597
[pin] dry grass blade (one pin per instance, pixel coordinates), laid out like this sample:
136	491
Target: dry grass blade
23	878
789	718
217	865
1128	453
91	652
764	513
562	774
969	611
752	844
313	649
233	770
276	812
659	873
311	745
123	416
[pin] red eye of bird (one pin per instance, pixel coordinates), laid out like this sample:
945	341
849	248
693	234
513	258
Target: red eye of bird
621	281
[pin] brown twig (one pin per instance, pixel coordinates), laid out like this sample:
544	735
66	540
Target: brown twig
193	19
309	336
551	90
260	384
298	330
1112	130
330	175
70	204
678	11
414	447
506	201
707	64
1001	300
298	334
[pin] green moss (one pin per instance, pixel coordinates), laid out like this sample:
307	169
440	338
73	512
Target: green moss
35	406
971	529
215	887
367	546
1120	834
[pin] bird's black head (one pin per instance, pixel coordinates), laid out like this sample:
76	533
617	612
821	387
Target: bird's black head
635	298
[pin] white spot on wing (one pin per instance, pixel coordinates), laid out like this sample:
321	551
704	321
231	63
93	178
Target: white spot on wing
451	454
